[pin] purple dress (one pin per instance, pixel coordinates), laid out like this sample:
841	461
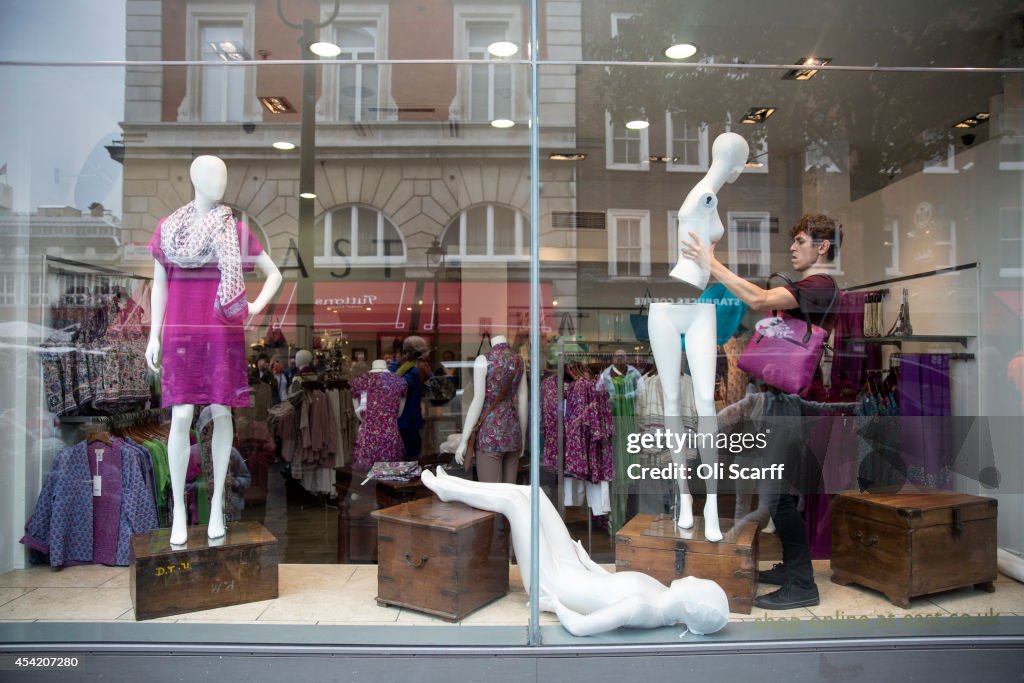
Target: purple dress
378	439
500	431
202	359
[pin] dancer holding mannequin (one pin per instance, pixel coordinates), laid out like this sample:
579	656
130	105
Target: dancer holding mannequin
497	382
196	339
586	597
697	215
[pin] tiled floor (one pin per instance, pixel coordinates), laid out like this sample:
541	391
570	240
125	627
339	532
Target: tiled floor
345	594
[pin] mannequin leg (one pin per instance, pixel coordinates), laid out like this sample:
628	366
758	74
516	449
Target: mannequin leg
668	355
702	357
223	436
177	460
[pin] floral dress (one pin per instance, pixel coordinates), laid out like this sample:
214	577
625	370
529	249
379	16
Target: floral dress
378	439
500	431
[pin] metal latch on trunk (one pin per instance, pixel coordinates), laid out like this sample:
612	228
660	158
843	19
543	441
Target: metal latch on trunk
680	559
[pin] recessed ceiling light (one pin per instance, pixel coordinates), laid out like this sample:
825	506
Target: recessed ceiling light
757	115
324	49
567	156
806	74
972	121
662	159
277	105
503	48
983	116
284	146
637	124
753	164
554	303
503	123
307	195
681	51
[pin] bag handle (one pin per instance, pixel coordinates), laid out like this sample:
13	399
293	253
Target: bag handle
802	315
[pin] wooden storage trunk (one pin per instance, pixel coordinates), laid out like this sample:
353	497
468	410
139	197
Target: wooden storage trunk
445	559
241	568
914	542
654	545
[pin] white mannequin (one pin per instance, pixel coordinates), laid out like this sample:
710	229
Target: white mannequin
209	178
476	407
697	215
360	404
587	598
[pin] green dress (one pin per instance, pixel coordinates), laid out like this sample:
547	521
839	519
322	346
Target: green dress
623	400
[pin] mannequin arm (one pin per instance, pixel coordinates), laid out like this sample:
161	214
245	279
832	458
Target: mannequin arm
157	307
476	406
270	285
627	612
523	407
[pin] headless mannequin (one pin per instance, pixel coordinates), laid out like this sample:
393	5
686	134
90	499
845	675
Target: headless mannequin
587	598
360	404
476	407
209	178
699	215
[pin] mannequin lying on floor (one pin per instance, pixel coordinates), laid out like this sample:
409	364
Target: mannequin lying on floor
587	598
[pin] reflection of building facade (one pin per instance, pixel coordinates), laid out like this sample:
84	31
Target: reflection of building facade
405	154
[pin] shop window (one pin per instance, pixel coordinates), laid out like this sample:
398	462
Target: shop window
749	243
758	160
487	90
629	243
1011	242
487	232
815	156
217	92
359	92
359	235
625	150
686	142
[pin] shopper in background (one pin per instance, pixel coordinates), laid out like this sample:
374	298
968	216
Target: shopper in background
816	239
412	365
282	379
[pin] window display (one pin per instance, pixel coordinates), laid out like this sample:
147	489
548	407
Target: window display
502	254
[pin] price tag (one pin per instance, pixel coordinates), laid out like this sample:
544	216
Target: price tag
97	486
99	455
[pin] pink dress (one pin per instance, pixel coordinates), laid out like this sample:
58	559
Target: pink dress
202	360
378	440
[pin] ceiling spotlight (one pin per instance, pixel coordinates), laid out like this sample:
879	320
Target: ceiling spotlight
554	303
503	48
307	195
806	74
277	105
753	164
503	123
681	51
757	115
567	156
637	124
972	121
282	145
324	49
662	159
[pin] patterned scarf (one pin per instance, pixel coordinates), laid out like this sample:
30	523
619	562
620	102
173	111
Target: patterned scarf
188	245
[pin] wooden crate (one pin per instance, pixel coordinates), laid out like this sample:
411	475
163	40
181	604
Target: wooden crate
445	559
165	581
654	545
914	542
357	499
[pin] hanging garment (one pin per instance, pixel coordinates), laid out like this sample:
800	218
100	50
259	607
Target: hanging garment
925	403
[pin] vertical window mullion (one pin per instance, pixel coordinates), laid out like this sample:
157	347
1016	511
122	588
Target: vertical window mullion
353	230
462	233
328	235
380	235
490	230
519	234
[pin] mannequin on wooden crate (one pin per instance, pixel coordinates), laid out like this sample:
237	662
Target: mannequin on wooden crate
698	215
496	419
587	598
196	338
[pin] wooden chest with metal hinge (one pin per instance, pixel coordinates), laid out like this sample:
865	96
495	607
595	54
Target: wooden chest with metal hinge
654	545
445	559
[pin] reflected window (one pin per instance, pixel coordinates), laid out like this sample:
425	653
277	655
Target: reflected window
625	149
749	243
8	289
629	243
488	90
943	162
687	143
358	234
358	92
488	232
1011	242
218	91
816	156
